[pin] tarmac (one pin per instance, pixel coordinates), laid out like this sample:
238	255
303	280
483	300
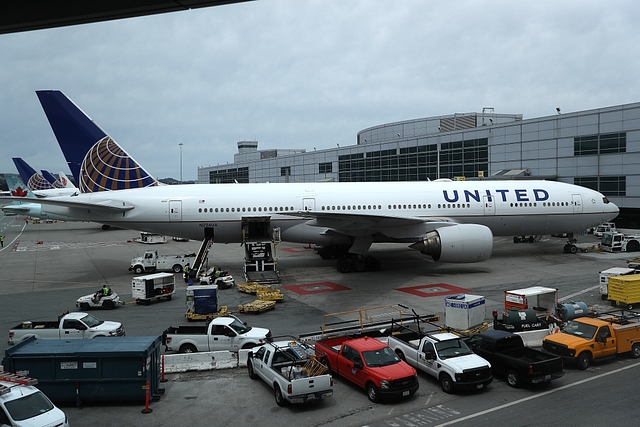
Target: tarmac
47	266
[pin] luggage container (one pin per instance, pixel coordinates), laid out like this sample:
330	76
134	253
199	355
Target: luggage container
542	300
153	286
90	371
624	290
464	311
202	299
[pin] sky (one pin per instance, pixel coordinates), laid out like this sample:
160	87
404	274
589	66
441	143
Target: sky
310	74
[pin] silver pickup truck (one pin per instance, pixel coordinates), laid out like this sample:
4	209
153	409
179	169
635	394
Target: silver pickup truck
290	368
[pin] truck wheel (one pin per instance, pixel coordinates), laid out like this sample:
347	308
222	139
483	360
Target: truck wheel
108	305
635	350
248	346
633	246
327	365
446	383
513	379
584	359
177	268
188	348
169	297
84	306
280	400
252	373
603	297
401	355
138	269
372	393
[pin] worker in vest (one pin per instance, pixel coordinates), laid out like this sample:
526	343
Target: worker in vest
1	241
187	270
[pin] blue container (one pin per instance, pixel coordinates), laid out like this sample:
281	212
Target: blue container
104	370
572	310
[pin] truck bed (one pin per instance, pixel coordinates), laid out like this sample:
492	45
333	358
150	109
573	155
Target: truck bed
186	330
38	325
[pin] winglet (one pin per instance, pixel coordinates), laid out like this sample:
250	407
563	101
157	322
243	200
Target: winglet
97	162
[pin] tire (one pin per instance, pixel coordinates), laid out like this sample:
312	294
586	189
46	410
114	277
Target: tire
372	392
252	373
177	268
84	306
513	379
446	383
105	226
531	239
603	297
277	394
633	246
169	297
327	365
635	350
108	305
188	348
344	265
515	239
573	249
401	355
584	360
248	346
325	253
138	269
359	266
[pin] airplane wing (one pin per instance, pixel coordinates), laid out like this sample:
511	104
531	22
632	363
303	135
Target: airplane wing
16	209
108	206
348	223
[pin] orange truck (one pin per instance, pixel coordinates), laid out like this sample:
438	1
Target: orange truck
586	339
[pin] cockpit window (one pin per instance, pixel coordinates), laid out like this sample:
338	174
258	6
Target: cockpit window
605	200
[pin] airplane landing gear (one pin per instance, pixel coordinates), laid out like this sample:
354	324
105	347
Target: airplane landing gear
570	248
358	264
523	239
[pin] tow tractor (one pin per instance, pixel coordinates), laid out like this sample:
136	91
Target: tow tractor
99	300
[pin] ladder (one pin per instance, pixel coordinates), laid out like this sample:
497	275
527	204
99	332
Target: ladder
15	379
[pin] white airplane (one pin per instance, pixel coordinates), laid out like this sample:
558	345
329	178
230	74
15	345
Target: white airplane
26	203
450	221
39	184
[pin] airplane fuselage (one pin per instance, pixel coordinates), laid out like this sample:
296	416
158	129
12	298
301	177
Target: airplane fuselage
335	212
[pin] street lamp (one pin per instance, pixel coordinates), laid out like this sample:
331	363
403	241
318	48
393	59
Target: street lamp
180	144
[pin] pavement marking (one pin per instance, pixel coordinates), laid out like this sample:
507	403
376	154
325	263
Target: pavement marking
516	402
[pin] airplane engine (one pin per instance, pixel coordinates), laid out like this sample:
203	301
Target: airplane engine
457	243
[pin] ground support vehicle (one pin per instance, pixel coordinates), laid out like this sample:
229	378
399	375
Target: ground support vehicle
202	302
99	300
191	316
151	262
624	290
150	238
509	357
145	289
604	276
223	279
596	337
257	306
23	405
253	287
370	364
274	295
76	325
605	227
291	369
539	298
444	356
221	333
618	242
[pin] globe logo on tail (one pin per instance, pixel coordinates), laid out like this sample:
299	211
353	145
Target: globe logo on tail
108	167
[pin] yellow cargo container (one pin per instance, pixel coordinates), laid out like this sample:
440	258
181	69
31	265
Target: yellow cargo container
624	290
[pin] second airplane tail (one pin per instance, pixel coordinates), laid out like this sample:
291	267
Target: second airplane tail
97	162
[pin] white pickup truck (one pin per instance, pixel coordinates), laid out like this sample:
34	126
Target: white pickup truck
444	356
221	333
291	370
68	326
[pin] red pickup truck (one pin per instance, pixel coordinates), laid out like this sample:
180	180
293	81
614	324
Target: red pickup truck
370	364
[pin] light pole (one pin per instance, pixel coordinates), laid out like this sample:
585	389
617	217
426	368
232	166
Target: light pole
180	144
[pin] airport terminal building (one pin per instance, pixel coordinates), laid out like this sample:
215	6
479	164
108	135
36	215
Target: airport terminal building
598	148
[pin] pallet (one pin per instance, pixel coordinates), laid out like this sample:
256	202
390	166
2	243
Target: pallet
253	287
275	295
257	306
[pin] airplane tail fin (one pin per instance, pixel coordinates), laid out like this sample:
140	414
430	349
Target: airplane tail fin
52	179
17	188
33	179
97	162
65	181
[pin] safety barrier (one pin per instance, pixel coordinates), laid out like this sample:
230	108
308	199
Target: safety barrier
199	361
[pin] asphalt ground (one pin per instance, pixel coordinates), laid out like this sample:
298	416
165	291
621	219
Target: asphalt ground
46	267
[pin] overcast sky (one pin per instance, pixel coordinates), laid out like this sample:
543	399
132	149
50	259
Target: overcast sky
305	74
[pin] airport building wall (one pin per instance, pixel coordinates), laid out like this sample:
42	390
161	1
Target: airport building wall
597	148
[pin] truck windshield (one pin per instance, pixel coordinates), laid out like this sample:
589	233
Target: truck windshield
607	239
382	357
91	321
239	327
581	330
28	406
452	348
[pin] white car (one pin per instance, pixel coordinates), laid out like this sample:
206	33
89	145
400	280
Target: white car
99	300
